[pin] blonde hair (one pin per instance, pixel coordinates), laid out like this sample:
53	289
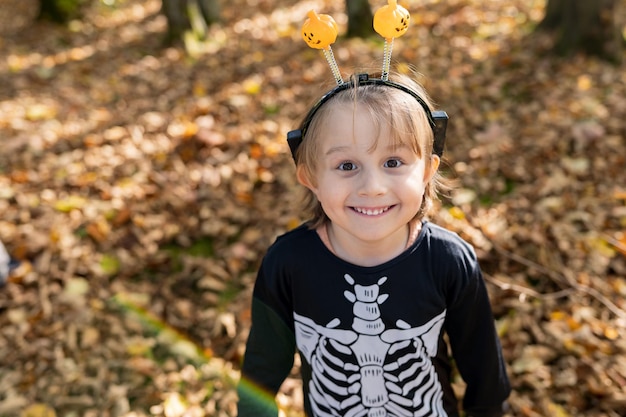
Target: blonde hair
389	108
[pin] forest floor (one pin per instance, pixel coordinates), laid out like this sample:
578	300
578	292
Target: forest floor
140	186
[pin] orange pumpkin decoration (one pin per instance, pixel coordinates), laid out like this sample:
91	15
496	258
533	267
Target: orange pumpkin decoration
319	31
391	21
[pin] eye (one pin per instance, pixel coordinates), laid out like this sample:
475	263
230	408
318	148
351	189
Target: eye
346	166
393	163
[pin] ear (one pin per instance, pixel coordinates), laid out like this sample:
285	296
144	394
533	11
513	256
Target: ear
431	167
304	178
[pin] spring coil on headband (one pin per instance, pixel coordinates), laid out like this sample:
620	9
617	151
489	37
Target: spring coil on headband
438	119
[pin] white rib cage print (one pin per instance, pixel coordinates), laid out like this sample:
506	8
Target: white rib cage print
369	370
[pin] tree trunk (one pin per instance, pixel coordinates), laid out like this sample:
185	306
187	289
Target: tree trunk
60	11
177	20
360	18
584	25
210	10
182	16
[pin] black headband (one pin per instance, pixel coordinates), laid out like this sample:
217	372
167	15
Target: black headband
438	120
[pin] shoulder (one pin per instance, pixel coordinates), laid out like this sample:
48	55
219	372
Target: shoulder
281	263
292	245
296	238
449	254
445	239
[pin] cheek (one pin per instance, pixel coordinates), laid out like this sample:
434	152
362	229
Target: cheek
417	181
330	191
325	190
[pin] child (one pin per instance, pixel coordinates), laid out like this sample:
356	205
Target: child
365	290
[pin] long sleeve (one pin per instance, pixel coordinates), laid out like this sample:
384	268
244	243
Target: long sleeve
269	351
475	344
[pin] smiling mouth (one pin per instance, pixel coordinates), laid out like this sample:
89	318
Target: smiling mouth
371	211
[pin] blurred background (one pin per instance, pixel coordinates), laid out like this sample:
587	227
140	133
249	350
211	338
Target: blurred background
144	172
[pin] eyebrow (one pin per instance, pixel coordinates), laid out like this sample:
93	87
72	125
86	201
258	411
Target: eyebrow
391	147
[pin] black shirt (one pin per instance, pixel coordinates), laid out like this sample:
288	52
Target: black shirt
371	339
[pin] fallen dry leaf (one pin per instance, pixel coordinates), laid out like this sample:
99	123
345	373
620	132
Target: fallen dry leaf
140	186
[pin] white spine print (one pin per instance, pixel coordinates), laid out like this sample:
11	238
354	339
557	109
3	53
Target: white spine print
370	370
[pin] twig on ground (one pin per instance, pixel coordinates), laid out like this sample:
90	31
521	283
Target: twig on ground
559	278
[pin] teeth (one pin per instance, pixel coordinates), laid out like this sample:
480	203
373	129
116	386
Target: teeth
371	212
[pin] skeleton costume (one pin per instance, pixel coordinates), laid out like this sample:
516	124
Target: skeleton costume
371	339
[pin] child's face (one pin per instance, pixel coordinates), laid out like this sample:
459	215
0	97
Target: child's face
369	189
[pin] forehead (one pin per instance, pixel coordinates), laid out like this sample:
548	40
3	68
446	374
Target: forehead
369	125
350	118
351	124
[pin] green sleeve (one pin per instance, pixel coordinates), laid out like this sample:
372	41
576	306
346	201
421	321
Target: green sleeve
267	362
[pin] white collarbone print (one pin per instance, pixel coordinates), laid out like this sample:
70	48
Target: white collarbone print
369	370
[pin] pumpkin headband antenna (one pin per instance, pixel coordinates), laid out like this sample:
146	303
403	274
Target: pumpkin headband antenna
319	31
391	21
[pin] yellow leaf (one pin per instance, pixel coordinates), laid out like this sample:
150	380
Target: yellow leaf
38	410
40	112
17	63
456	213
55	236
611	333
556	410
70	203
619	194
252	86
573	323
293	223
619	243
602	247
139	346
503	325
190	129
199	90
109	265
584	82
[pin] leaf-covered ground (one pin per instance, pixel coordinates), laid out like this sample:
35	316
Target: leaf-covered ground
140	186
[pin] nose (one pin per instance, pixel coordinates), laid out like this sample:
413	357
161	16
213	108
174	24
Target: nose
372	182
